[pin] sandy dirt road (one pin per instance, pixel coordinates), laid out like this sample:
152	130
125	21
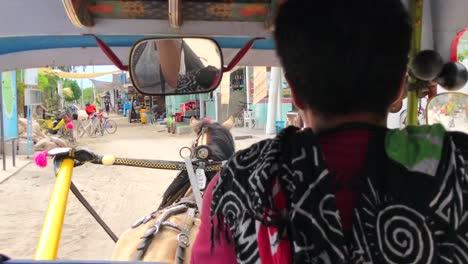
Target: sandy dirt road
119	194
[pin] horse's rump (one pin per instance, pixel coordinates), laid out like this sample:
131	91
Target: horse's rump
146	242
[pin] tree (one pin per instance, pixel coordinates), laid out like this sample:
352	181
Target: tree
88	95
48	84
43	82
20	86
73	85
463	55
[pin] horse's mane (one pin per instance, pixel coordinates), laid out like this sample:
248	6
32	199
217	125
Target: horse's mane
222	148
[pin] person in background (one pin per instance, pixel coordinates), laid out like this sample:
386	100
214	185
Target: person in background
345	189
127	106
168	65
72	111
90	109
107	106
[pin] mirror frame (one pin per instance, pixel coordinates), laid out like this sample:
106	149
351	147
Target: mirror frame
130	71
430	100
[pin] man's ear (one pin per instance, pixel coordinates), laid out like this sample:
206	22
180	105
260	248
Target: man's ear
397	104
298	101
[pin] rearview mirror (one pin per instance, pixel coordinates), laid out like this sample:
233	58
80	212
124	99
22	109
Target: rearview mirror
175	66
450	110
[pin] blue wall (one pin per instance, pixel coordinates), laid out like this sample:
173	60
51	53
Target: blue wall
260	113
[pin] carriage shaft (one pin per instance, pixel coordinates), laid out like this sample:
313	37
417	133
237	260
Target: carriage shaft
162	164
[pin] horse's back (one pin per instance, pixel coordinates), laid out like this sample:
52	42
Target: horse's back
164	243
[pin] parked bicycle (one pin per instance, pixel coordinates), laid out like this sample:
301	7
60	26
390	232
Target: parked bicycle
96	124
106	124
57	125
88	126
244	116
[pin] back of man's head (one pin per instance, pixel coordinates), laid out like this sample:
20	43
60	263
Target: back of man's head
344	56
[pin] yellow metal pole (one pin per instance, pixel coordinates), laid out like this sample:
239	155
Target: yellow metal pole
416	16
52	227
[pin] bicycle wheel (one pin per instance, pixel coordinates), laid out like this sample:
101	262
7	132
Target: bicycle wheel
239	120
80	128
42	124
93	130
110	126
71	139
403	119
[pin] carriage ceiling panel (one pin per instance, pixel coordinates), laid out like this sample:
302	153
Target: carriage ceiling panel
214	10
47	17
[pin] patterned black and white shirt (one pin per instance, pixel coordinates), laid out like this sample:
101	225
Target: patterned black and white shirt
412	206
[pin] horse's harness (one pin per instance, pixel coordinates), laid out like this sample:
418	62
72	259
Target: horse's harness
190	205
187	205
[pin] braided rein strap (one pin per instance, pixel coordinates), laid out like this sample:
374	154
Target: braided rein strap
163	164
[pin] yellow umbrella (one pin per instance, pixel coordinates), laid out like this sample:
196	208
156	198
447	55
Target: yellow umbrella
68	92
73	75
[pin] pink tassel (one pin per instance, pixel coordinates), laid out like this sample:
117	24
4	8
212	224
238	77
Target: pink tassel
207	120
69	125
41	159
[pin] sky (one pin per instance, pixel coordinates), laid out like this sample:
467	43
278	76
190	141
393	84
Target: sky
95	69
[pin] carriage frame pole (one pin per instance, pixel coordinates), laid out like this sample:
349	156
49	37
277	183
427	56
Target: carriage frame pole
416	17
273	91
49	239
2	134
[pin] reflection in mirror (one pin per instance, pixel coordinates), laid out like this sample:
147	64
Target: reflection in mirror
175	66
450	110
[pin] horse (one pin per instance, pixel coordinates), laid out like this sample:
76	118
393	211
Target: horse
166	235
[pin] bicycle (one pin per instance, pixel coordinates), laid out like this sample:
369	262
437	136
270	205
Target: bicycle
244	115
97	124
46	124
69	136
106	124
88	127
58	127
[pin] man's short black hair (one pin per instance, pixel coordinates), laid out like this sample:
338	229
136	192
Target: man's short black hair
344	56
